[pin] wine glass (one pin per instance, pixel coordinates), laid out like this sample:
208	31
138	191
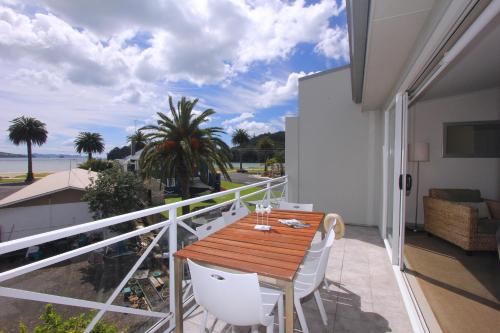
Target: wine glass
268	212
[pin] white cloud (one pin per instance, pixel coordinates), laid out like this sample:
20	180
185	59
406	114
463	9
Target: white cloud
334	44
197	41
275	92
240	118
253	127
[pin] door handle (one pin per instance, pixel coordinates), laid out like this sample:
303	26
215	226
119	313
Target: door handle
408	183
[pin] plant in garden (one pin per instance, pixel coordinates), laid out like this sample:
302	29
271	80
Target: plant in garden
52	322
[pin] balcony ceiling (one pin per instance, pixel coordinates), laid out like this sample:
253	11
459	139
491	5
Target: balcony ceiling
394	28
476	68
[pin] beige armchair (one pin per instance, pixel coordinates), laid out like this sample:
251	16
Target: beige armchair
450	214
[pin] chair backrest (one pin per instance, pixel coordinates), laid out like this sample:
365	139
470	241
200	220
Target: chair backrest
329	223
209	228
234	215
323	260
233	298
296	206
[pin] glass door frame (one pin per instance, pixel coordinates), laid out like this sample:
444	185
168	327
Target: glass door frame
397	205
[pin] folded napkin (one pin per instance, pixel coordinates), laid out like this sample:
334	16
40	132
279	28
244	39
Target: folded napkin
294	223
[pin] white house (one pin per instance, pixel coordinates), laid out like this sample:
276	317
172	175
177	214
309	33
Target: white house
50	203
419	71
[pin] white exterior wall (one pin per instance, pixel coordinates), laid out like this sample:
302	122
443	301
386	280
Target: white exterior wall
426	120
339	150
32	220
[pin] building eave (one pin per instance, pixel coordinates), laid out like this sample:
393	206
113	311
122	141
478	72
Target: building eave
357	24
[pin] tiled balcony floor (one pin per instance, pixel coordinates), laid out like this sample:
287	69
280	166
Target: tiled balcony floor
362	297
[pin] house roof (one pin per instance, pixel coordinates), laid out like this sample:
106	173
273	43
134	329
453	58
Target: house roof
77	179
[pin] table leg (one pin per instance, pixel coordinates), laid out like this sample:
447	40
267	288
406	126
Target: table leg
179	275
289	307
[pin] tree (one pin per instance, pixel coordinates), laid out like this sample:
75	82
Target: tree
179	146
114	192
265	144
96	165
240	137
54	323
30	131
89	143
137	141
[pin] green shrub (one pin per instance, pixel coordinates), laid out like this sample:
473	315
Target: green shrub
97	165
52	322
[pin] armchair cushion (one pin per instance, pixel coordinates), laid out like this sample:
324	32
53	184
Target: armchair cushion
488	226
456	195
482	209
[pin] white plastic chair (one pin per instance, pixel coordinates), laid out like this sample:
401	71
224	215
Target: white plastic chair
236	299
210	227
296	206
329	223
234	215
308	280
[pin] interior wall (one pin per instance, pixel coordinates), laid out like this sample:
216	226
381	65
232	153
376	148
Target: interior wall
339	150
426	120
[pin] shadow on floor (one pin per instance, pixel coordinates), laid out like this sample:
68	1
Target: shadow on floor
365	234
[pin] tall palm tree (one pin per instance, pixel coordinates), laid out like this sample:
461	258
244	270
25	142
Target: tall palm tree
89	143
240	137
265	144
179	146
137	140
30	131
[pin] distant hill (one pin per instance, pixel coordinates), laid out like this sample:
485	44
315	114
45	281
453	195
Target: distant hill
2	154
278	139
251	153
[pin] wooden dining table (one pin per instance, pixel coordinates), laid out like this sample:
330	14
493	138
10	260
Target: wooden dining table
274	255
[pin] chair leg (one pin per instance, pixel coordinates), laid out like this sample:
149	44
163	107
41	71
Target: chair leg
281	317
321	307
255	329
300	314
204	321
270	328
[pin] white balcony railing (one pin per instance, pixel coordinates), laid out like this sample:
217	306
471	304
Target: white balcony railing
159	315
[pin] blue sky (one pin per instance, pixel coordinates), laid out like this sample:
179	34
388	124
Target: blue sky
85	66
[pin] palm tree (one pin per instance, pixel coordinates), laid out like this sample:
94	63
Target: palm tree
137	140
240	137
179	146
30	131
89	143
265	144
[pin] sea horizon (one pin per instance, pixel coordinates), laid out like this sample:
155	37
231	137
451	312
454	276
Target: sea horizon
19	165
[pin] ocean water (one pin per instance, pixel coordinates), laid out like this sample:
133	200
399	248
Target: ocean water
40	164
43	164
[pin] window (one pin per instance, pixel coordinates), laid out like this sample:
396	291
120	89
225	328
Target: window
471	139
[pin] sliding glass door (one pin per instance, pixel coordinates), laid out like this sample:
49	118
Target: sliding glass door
395	180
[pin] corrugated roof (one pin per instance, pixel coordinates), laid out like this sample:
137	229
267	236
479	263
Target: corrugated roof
77	179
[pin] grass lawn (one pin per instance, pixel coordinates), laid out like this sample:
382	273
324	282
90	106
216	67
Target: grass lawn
21	178
226	185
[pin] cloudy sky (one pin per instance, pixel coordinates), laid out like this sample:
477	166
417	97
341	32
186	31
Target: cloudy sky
107	66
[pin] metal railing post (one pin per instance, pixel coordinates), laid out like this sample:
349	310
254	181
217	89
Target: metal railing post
286	189
237	203
172	248
268	193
